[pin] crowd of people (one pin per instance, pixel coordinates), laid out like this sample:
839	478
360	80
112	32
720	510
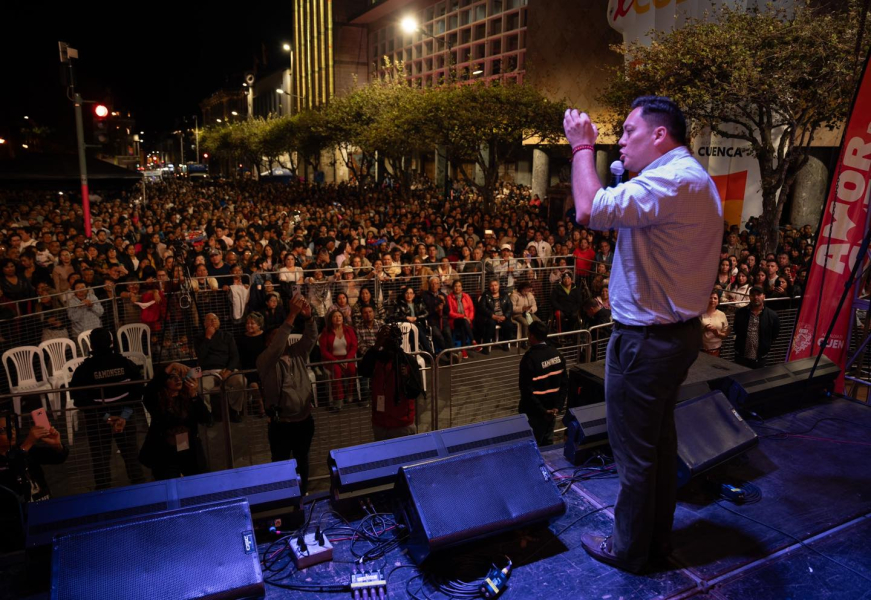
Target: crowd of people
256	244
212	269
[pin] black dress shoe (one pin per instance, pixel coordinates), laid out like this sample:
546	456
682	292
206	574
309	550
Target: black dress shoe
599	547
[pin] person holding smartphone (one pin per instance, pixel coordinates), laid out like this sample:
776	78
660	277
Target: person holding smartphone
172	445
21	460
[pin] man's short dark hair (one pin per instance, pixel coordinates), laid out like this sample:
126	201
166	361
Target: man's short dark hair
660	111
590	304
539	330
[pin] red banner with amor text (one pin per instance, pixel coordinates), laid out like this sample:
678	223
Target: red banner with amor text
843	228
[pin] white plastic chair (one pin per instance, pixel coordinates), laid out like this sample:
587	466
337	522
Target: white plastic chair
84	341
292	339
72	414
130	338
140	359
410	343
59	351
517	336
29	380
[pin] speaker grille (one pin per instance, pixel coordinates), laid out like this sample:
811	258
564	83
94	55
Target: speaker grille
594	423
189	553
93	519
387	462
771	379
501	439
240	492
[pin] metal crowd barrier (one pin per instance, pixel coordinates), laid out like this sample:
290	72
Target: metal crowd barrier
487	387
787	310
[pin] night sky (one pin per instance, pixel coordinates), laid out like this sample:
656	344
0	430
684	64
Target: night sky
157	60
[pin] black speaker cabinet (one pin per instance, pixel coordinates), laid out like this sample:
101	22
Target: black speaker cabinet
207	551
709	432
266	487
373	467
786	381
586	426
448	502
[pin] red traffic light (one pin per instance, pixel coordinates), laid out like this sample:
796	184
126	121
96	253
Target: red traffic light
101	111
205	155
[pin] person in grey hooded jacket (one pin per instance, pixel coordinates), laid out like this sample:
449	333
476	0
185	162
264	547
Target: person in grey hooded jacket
287	390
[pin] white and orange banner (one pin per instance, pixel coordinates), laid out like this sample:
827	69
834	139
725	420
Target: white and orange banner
843	227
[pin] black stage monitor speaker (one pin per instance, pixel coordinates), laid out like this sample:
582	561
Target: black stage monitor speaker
448	502
688	391
206	551
778	382
586	426
709	432
374	466
266	487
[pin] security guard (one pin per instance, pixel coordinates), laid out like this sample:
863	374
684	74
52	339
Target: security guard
544	384
107	411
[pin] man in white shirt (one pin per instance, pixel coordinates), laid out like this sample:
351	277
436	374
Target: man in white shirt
670	223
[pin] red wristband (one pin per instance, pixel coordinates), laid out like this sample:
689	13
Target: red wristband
580	147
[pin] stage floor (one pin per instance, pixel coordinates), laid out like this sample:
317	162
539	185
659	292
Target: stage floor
816	490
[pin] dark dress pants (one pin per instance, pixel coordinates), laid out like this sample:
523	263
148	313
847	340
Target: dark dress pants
100	437
643	373
293	440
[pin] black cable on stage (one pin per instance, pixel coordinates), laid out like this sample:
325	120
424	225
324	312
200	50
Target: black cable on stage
829	558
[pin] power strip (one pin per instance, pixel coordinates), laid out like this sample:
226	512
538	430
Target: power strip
368	585
314	552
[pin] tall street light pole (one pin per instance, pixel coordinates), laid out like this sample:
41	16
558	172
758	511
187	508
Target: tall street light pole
197	135
66	56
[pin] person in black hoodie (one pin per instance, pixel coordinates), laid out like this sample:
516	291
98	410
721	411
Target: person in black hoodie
108	411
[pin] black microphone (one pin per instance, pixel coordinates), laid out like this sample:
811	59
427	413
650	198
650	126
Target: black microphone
617	171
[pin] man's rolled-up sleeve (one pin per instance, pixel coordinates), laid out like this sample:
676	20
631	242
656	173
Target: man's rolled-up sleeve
638	203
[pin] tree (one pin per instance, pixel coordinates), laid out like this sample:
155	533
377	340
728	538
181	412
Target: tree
753	76
398	129
278	136
346	119
311	136
239	141
488	124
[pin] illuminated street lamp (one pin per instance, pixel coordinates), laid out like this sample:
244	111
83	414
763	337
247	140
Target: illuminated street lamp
409	24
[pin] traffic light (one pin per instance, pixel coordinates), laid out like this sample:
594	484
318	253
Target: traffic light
101	126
